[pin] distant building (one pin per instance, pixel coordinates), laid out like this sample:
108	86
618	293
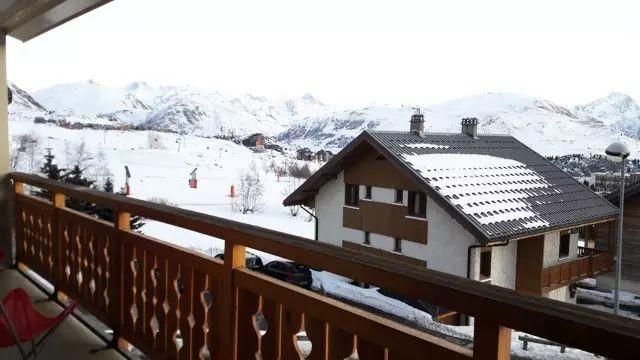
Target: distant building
256	140
305	154
610	181
274	147
480	206
323	155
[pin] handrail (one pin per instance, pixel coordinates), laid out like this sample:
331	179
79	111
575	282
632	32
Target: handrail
587	329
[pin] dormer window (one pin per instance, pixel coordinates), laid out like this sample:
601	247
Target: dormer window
351	194
417	204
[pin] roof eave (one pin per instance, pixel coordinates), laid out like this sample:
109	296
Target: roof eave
27	20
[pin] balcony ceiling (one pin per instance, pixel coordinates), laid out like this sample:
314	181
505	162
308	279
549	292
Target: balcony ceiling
26	19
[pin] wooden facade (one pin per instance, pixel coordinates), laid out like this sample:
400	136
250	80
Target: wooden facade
146	290
385	219
374	170
529	262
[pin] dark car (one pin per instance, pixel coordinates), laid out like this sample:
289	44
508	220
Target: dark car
252	261
290	272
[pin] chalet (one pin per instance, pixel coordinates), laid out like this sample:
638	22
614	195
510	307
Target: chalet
485	207
630	279
304	154
256	140
323	155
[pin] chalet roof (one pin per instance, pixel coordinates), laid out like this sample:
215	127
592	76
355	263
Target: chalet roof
495	186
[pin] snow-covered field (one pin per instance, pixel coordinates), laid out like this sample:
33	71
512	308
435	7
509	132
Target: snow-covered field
163	173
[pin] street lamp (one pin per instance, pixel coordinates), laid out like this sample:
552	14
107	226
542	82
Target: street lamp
618	153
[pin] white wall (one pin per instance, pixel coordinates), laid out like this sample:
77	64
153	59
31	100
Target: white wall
329	202
447	240
552	247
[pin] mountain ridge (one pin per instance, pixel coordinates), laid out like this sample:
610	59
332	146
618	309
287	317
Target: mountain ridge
547	127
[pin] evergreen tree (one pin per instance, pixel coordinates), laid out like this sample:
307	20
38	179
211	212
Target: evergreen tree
51	171
76	177
106	214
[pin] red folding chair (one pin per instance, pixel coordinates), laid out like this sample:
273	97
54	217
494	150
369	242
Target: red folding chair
21	322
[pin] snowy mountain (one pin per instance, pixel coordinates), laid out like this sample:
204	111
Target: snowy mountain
306	122
23	106
616	111
176	109
546	127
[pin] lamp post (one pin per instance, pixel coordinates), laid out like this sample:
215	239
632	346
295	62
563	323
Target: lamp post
618	153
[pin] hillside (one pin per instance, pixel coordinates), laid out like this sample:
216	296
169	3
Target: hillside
547	127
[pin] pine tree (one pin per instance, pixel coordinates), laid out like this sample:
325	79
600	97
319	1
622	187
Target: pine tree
106	214
51	171
76	177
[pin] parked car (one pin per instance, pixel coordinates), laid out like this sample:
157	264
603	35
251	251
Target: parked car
252	261
290	272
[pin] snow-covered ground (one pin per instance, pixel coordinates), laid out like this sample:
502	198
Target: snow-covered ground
163	173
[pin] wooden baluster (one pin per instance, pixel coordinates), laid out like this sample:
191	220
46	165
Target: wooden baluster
271	340
117	275
248	306
234	257
198	338
341	343
491	341
149	265
172	321
18	188
318	333
186	302
292	323
59	202
368	350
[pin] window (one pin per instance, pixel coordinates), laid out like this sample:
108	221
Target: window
565	242
417	204
367	240
397	245
399	196
367	193
485	264
351	194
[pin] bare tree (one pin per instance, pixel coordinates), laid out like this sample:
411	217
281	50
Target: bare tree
290	186
78	154
154	141
28	146
250	192
99	170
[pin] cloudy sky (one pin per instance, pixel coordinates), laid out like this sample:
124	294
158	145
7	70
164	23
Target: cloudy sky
397	52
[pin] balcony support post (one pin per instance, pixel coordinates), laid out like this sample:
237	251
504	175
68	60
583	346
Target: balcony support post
122	222
234	257
6	239
59	202
490	340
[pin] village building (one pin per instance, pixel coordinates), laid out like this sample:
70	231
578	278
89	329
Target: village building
323	155
485	207
610	181
630	277
256	140
304	154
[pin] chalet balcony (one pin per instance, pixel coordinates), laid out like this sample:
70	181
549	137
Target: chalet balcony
171	302
590	263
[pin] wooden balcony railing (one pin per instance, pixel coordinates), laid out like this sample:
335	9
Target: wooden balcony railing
171	302
590	263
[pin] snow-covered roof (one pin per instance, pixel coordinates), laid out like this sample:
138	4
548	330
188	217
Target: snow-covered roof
493	184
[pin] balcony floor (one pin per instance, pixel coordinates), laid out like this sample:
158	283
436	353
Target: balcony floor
72	341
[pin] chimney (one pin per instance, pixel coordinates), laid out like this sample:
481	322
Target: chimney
470	127
417	123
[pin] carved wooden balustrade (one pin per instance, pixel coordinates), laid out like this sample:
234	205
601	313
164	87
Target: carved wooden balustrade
172	302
